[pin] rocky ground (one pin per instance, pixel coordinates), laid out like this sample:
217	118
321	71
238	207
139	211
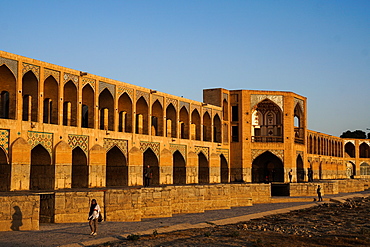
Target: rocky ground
329	224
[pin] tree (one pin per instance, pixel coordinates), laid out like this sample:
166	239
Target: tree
357	134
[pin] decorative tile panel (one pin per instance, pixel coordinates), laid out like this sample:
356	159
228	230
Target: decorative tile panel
192	107
159	98
204	150
224	152
4	140
121	90
257	152
49	72
154	146
69	77
120	143
181	148
142	94
110	87
11	64
89	81
30	67
173	101
225	96
187	105
80	141
277	99
45	139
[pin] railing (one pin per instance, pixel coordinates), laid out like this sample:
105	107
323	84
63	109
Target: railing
267	139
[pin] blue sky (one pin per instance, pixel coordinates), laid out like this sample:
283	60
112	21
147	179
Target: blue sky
318	49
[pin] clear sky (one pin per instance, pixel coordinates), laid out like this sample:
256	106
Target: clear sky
318	49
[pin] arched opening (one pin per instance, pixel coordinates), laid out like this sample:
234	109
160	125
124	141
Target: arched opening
50	101
184	121
171	116
298	125
207	127
106	109
42	175
8	93
179	168
80	169
217	129
5	171
364	169
267	168
349	149
364	150
300	169
142	116
30	92
88	106
157	119
224	169
203	169
225	110
70	104
350	170
117	170
267	123
195	125
151	159
125	113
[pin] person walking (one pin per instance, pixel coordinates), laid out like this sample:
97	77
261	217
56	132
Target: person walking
93	217
319	193
148	174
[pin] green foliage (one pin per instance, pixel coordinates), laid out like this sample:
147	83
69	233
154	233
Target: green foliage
357	134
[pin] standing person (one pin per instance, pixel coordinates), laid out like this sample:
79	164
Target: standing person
290	175
319	193
93	217
147	175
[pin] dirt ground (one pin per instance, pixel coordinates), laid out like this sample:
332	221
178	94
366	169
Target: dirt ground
329	224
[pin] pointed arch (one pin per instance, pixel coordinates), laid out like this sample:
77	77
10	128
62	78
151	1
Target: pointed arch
184	123
106	110
42	176
300	169
179	168
70	104
7	93
150	158
195	125
125	113
217	132
116	168
142	113
30	94
364	150
157	119
5	171
203	169
88	107
224	169
51	95
80	169
207	127
171	116
267	167
350	150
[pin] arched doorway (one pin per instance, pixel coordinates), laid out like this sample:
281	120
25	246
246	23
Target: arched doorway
116	169
80	169
300	169
203	169
5	171
151	159
42	171
224	169
179	168
267	168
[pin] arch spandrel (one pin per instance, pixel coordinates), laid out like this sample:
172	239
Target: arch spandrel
81	141
111	88
121	90
178	147
174	102
186	105
277	99
90	82
145	96
224	152
11	64
55	74
43	138
159	98
276	152
121	144
204	150
300	103
69	77
154	146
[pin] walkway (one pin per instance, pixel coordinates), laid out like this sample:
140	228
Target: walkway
77	234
